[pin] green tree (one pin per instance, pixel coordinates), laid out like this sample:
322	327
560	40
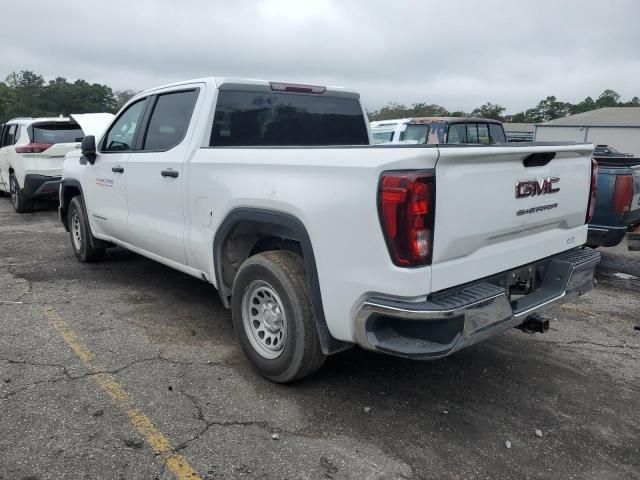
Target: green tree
489	110
549	109
584	106
608	98
520	117
28	88
421	109
427	110
26	94
123	96
57	98
7	102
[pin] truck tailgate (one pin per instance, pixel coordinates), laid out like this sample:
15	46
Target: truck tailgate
482	226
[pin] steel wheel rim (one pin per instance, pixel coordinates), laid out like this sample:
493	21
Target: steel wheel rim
76	234
264	319
14	192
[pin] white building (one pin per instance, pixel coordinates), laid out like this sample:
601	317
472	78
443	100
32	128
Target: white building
618	127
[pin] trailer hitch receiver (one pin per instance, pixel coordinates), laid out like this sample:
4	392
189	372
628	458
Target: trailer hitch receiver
535	323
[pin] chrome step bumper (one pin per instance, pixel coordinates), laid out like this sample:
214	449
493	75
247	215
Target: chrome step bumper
458	318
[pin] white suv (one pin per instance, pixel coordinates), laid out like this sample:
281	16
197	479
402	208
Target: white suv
32	151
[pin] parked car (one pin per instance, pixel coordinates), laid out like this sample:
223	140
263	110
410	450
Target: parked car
316	240
32	151
617	205
607	151
438	130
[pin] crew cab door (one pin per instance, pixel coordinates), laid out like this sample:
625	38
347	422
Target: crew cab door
155	175
104	182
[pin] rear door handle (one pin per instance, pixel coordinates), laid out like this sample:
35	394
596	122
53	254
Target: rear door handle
117	169
169	173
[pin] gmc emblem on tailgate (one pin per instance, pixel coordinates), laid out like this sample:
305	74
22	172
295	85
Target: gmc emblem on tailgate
532	188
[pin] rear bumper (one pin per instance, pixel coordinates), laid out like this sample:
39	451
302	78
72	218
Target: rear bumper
41	186
458	318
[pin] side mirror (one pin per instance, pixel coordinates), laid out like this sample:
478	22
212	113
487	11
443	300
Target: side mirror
88	148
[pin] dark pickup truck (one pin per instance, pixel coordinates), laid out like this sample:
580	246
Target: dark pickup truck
607	151
617	208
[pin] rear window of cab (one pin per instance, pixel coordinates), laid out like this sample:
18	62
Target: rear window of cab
475	133
255	119
441	132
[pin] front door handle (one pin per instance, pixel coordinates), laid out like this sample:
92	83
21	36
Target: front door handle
169	173
117	169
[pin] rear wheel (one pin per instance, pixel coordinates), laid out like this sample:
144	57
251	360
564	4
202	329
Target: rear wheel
21	204
273	317
82	240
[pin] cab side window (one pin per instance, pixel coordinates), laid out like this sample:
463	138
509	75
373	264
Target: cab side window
169	120
497	133
483	133
457	133
472	133
120	136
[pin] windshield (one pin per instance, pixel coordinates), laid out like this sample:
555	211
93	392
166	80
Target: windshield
382	137
415	132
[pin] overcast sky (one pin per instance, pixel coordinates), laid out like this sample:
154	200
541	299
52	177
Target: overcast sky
456	53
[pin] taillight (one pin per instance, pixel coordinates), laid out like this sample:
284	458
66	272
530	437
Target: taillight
33	148
591	206
623	194
406	205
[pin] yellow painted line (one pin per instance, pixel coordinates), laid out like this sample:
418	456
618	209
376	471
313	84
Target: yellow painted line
70	337
158	442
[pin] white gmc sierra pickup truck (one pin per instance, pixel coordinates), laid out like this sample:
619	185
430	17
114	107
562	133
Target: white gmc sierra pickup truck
317	240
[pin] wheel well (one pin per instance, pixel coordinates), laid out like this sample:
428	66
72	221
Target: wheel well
67	195
249	231
247	238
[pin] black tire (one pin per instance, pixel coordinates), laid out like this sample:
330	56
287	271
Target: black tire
83	243
283	271
21	204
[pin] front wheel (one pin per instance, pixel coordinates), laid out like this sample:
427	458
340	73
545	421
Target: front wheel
82	240
273	317
21	204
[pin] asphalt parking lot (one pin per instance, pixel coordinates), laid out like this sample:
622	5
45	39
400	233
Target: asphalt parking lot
128	369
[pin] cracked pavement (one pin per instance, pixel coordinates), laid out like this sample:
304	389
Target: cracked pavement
170	344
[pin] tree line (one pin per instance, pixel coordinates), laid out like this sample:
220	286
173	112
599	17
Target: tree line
27	94
547	109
